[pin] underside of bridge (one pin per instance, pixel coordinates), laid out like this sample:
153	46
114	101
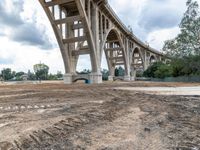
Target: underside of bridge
91	27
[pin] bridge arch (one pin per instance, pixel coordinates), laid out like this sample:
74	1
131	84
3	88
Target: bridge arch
117	35
137	61
114	50
91	27
152	59
79	79
118	79
137	56
84	77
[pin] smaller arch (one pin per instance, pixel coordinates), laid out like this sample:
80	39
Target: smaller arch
137	59
137	64
118	37
81	79
118	79
152	59
114	50
84	77
103	24
107	24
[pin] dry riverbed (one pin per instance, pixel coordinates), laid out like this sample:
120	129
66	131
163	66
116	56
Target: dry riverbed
110	116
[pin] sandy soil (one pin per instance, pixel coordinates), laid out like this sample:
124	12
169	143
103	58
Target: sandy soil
53	116
191	90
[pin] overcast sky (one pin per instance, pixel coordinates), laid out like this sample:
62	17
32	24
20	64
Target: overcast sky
27	38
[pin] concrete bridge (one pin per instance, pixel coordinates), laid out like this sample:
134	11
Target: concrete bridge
91	27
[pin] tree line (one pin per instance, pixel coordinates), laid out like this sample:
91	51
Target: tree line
119	71
41	72
184	50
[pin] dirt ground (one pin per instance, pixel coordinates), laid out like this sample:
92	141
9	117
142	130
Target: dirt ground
54	116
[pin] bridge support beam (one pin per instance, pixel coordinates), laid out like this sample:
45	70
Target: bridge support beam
95	78
133	75
110	78
127	78
68	78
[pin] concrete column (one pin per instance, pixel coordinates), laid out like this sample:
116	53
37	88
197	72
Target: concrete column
95	29
111	73
70	47
95	78
127	66
133	75
127	78
110	78
145	60
68	78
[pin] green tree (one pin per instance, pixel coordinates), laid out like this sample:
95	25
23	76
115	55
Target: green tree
85	71
59	75
52	77
188	41
31	76
185	66
150	72
105	74
188	65
41	71
119	71
7	74
18	76
163	71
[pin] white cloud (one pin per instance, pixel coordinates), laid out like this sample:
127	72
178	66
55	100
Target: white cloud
24	57
24	53
156	38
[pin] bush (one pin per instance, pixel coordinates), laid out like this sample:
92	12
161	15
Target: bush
185	66
163	71
150	72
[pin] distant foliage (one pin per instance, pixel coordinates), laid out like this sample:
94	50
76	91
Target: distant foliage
158	70
119	71
187	43
59	75
31	76
41	71
185	66
185	48
7	74
85	71
105	74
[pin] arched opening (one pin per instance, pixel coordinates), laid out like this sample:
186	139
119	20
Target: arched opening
118	79
83	64
83	80
152	59
137	63
114	53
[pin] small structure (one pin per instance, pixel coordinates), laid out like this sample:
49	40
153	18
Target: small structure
24	77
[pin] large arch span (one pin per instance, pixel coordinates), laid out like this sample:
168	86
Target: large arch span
91	27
